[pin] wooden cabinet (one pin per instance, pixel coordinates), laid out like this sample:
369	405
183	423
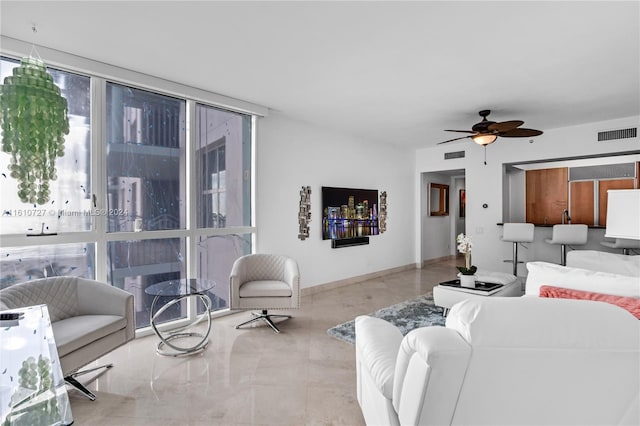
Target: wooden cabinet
582	206
605	185
547	194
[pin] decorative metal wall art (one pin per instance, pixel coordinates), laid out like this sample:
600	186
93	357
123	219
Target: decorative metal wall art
304	215
382	214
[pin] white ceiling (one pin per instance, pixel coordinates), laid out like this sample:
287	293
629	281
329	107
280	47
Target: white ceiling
395	72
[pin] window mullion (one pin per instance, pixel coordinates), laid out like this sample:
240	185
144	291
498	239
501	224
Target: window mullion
191	211
99	172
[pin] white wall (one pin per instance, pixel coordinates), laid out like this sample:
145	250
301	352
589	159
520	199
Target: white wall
484	184
291	154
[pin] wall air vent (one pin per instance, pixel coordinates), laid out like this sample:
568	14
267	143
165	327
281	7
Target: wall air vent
451	155
610	135
605	171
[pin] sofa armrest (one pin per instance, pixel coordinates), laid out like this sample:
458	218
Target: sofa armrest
377	344
430	370
97	298
292	277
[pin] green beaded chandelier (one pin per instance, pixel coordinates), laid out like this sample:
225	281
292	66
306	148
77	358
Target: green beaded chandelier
33	116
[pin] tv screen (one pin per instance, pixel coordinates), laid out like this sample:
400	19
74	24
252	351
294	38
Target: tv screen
349	213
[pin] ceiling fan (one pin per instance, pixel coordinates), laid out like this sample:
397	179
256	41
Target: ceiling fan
486	132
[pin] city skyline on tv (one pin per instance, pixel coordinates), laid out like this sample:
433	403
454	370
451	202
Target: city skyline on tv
349	212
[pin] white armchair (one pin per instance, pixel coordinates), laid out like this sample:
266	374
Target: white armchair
264	281
89	319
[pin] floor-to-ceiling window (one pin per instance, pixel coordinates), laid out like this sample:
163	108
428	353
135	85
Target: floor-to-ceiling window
51	226
153	186
223	194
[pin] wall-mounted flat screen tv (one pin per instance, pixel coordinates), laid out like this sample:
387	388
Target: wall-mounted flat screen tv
349	213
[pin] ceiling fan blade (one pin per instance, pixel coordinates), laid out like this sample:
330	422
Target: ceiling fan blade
520	133
456	139
462	131
505	126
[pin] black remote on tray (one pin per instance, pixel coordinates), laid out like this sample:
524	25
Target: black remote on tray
9	316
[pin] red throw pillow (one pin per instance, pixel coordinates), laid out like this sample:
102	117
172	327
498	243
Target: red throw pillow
631	304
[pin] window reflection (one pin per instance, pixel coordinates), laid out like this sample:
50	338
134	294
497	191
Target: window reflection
146	160
216	254
18	264
223	149
135	265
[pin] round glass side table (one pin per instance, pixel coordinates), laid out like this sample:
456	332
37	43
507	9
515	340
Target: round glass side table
179	290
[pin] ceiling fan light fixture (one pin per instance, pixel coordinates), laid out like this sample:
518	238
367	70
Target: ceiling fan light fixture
485	139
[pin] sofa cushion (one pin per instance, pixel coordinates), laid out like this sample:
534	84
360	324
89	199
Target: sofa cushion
265	288
604	262
76	332
543	273
377	343
534	322
631	304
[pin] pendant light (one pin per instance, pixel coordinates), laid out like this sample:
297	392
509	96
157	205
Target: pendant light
33	118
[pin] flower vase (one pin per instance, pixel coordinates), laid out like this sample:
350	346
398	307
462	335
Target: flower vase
468	281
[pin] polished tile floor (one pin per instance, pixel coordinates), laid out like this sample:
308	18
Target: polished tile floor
252	376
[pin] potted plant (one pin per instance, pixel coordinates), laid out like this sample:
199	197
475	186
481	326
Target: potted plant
467	273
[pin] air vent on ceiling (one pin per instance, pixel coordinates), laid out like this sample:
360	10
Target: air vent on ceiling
605	171
456	154
610	135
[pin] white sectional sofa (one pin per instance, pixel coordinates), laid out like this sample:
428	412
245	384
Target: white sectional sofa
513	361
503	361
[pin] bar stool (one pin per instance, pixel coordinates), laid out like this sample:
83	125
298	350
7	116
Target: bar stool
517	233
565	235
622	243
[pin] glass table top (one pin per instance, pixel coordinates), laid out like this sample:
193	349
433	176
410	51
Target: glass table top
32	388
180	287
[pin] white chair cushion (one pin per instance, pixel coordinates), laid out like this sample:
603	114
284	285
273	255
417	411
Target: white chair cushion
569	234
264	266
72	333
518	232
265	288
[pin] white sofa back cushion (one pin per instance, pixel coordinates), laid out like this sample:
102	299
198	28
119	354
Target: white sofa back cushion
547	361
604	262
543	273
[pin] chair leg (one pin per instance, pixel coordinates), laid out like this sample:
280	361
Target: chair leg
515	260
71	380
264	317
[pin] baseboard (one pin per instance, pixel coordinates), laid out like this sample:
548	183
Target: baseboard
438	259
308	291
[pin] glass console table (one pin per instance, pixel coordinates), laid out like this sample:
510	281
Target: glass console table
179	290
32	387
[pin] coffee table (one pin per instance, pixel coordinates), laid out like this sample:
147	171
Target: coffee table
179	290
447	295
32	385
